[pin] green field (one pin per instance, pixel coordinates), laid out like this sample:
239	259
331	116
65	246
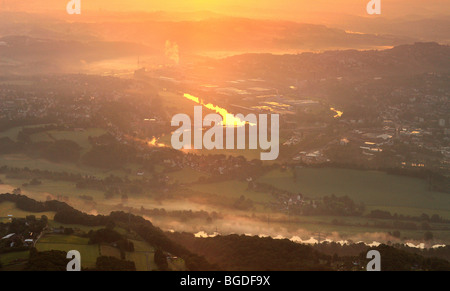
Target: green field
22	161
54	224
186	175
41	137
232	190
13	132
80	137
64	239
109	251
143	256
403	195
9	208
9	258
89	253
52	188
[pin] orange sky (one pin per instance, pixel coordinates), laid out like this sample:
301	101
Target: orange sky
288	8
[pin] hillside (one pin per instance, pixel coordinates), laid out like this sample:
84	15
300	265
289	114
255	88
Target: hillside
231	253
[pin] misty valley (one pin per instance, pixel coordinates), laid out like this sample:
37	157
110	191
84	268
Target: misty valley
214	140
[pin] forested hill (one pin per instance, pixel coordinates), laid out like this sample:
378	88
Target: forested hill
244	253
144	228
404	60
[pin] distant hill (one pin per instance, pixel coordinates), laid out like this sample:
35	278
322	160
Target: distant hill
24	54
404	59
195	32
241	34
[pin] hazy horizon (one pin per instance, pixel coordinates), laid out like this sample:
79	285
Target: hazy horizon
283	9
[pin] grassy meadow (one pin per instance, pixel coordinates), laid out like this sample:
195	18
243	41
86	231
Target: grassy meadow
403	195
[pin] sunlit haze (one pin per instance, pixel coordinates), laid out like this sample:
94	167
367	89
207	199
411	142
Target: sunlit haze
224	135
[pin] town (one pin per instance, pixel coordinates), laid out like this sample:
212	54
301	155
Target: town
214	136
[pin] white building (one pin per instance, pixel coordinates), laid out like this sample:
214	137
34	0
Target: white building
8	236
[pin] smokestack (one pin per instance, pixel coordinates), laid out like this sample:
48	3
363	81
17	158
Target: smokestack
172	52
